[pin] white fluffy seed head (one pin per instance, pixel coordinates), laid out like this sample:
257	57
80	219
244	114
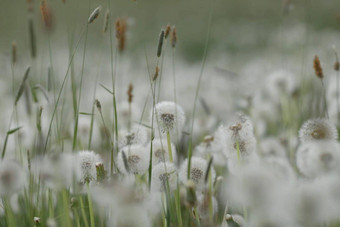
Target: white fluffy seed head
318	158
160	151
203	205
12	177
87	161
161	173
239	135
198	170
212	146
137	135
136	158
318	129
169	116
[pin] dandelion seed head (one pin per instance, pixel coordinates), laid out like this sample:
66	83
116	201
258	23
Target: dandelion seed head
161	173
318	129
137	158
161	152
12	177
88	160
170	115
239	135
137	135
318	158
198	170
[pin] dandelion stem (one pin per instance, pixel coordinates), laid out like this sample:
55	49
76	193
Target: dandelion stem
169	146
90	205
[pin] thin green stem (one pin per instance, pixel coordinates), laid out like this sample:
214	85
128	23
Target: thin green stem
169	146
198	86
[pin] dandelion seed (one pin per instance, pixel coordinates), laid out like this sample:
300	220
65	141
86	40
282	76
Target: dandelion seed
137	159
161	173
197	172
318	129
94	15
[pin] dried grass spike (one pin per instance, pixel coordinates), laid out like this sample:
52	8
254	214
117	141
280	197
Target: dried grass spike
46	14
94	15
120	33
173	37
160	43
106	20
98	105
156	74
129	93
317	67
167	31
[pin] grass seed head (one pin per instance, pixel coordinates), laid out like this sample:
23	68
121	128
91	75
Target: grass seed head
160	43
167	31
129	93
94	15
173	37
317	67
46	14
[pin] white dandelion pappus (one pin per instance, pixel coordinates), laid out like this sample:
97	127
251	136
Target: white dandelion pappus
160	151
318	158
137	159
88	161
12	177
161	173
168	116
318	129
198	170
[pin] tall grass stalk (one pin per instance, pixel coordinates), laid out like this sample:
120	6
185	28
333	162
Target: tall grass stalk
60	92
75	132
199	84
113	77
